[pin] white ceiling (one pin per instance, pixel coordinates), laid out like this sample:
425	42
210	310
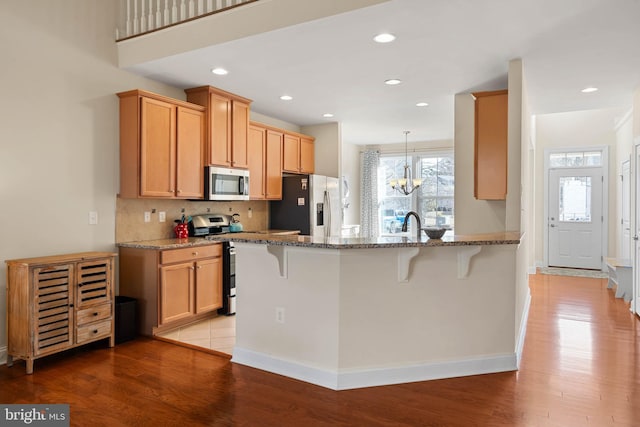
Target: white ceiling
443	47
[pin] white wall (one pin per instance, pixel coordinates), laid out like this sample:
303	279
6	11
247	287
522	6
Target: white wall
574	129
327	147
272	121
350	167
624	150
59	128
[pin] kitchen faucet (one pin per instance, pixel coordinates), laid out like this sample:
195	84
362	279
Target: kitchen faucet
406	222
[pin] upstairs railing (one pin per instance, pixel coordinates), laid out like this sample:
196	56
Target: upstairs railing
143	16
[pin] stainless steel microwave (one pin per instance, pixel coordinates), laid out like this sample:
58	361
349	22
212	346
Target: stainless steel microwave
226	184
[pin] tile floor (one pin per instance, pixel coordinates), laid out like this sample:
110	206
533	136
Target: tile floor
217	334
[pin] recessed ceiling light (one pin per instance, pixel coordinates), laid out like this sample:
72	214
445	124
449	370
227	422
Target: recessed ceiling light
421	104
393	82
384	38
286	97
219	71
327	115
589	89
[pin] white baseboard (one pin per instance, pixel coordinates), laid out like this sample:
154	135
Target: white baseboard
3	355
532	270
523	328
358	378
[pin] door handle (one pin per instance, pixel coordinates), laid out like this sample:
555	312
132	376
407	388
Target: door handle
552	225
635	238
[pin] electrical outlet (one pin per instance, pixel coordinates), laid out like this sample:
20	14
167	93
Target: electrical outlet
279	314
93	218
162	216
147	217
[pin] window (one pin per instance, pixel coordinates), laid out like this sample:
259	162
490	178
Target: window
575	159
433	201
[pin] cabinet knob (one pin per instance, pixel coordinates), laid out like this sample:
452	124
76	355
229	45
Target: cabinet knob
71	305
95	314
199	266
95	331
194	253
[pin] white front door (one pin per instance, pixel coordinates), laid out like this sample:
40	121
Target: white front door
575	217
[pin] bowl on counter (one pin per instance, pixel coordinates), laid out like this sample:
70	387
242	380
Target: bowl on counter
434	232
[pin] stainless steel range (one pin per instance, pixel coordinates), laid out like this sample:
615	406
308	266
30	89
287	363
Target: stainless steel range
210	224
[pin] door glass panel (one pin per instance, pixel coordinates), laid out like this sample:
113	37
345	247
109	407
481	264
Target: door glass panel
575	198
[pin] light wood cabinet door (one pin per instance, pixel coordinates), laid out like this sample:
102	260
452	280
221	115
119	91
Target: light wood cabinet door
291	153
307	155
256	154
157	148
491	143
273	165
219	130
176	292
208	285
240	134
190	154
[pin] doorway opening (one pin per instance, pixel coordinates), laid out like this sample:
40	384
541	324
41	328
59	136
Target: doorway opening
576	211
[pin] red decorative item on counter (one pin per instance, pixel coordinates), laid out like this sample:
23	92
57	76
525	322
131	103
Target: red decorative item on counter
181	230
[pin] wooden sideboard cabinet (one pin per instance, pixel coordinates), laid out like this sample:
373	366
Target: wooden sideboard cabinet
58	302
173	287
491	143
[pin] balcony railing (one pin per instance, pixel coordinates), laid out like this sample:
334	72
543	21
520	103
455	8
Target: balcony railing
143	16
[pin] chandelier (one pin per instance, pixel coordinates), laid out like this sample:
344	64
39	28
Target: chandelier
407	184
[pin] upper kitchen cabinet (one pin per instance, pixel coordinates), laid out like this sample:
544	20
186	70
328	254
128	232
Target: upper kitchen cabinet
298	153
491	144
265	162
228	125
161	147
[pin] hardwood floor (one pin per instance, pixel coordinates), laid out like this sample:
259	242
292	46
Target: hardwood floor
581	367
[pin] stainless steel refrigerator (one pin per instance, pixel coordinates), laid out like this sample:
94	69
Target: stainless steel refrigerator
310	203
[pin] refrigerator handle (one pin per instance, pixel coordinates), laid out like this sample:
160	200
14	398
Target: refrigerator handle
327	210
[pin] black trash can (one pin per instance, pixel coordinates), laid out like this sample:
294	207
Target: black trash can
125	319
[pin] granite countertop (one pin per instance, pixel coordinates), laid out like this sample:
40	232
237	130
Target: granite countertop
275	238
174	243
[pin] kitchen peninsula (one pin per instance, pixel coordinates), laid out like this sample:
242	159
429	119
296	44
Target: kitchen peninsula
357	312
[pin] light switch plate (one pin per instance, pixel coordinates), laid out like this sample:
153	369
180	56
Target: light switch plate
93	218
300	201
162	216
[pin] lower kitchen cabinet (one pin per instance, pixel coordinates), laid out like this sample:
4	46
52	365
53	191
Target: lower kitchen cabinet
55	303
173	287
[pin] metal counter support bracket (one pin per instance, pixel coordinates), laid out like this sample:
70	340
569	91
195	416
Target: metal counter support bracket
405	255
465	253
281	255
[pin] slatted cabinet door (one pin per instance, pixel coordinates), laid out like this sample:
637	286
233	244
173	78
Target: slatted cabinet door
54	308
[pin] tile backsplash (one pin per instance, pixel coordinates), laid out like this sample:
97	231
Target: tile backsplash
130	225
